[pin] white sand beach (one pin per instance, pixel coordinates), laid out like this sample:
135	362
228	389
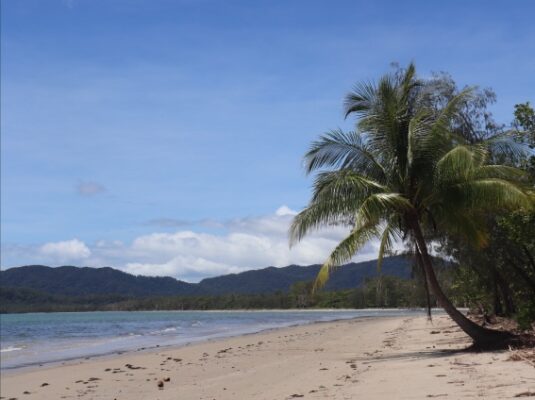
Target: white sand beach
376	358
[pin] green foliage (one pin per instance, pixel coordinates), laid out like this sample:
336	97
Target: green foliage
525	119
500	278
524	124
74	281
29	300
70	281
422	167
383	291
468	290
408	163
526	315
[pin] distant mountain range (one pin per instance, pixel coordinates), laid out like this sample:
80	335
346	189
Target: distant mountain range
76	281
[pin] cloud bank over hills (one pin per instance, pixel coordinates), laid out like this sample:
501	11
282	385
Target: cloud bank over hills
237	245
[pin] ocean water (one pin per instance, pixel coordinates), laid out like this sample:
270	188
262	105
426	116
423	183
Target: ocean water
39	338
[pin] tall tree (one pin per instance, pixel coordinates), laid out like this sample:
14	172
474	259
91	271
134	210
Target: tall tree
501	279
406	172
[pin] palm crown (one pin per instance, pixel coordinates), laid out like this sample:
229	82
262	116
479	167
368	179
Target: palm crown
402	171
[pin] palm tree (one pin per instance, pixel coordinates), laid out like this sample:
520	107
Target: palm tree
405	173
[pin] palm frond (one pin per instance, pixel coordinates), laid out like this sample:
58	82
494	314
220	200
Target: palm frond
338	149
344	251
507	145
466	224
506	172
381	206
361	100
408	83
451	110
315	216
337	198
343	185
418	129
457	165
385	244
493	194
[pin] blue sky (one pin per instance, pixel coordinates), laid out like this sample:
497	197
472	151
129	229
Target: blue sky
131	125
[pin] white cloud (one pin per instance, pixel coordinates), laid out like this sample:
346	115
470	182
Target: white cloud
186	267
285	210
238	245
65	251
248	243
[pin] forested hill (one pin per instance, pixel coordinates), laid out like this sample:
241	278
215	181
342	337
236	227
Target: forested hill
269	280
74	281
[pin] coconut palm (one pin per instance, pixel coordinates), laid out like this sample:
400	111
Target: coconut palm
402	174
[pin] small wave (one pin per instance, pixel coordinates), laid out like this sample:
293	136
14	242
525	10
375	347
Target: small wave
10	348
163	331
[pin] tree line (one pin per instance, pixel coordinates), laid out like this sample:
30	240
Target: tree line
378	292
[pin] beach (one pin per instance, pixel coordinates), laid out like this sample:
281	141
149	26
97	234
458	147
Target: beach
371	358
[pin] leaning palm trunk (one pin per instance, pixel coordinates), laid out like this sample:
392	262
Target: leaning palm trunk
483	338
420	263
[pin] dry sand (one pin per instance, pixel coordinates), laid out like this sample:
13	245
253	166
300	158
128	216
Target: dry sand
386	358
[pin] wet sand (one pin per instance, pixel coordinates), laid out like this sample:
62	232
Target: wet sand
375	358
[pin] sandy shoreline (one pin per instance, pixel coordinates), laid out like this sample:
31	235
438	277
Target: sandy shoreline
371	358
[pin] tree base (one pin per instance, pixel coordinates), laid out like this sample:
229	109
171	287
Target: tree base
501	340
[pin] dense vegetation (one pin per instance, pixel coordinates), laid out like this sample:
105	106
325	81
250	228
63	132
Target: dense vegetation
379	291
73	281
40	288
425	164
500	278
